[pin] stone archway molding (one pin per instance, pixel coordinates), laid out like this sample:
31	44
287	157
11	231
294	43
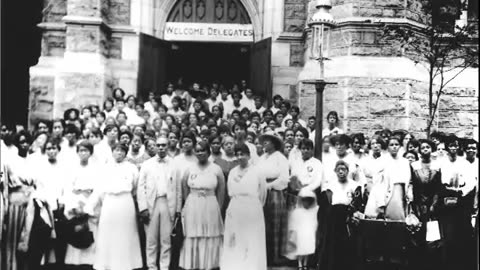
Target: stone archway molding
250	5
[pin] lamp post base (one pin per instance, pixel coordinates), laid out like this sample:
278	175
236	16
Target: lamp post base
319	87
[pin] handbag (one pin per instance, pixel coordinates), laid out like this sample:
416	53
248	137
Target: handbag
411	220
77	232
177	235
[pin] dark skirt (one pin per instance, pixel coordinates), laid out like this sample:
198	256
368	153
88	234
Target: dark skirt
457	233
14	223
335	245
275	211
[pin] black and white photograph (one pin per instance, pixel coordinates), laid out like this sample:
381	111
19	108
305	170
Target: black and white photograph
239	135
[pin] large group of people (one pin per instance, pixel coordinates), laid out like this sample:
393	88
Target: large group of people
209	178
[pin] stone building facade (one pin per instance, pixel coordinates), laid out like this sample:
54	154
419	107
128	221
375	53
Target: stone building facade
90	47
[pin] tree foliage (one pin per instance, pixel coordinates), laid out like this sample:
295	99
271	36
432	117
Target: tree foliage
443	47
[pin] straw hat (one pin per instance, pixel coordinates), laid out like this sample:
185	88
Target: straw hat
273	137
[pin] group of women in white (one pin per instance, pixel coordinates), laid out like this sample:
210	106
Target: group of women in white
242	195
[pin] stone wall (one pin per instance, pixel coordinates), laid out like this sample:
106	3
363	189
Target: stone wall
410	9
102	54
54	10
53	43
458	111
41	98
119	12
295	15
288	59
79	89
370	104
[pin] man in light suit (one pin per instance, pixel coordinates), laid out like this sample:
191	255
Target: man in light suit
157	201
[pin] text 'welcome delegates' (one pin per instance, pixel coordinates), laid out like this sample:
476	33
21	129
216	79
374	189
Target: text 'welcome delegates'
209	32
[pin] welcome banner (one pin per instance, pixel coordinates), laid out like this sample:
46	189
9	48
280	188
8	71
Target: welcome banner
213	32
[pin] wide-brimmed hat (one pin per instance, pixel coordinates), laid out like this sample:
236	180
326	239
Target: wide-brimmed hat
273	137
66	114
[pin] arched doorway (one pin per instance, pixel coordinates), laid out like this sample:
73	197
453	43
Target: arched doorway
206	41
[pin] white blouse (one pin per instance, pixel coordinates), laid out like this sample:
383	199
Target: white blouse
119	178
309	172
250	182
51	181
275	166
84	180
456	174
342	193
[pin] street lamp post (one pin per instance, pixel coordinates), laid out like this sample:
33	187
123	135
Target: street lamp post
320	25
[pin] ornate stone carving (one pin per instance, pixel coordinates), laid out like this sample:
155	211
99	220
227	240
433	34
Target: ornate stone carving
219	10
232	10
201	9
187	9
209	11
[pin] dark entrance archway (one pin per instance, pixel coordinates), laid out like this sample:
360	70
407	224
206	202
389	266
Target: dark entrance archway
205	63
203	59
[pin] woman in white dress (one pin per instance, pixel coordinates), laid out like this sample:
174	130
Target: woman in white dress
389	193
204	189
84	179
244	245
117	243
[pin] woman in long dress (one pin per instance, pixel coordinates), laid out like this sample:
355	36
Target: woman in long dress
455	209
77	193
18	186
426	186
389	192
117	243
275	167
388	200
204	189
244	245
337	205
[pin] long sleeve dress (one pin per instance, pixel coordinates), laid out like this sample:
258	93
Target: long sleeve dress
17	189
117	246
275	168
335	237
85	180
427	186
454	213
389	189
244	245
203	225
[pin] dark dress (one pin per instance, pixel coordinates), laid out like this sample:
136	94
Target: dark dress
427	185
456	230
336	236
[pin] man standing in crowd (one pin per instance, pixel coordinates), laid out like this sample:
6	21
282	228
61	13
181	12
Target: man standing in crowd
157	199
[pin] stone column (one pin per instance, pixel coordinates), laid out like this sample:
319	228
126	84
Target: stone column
83	75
